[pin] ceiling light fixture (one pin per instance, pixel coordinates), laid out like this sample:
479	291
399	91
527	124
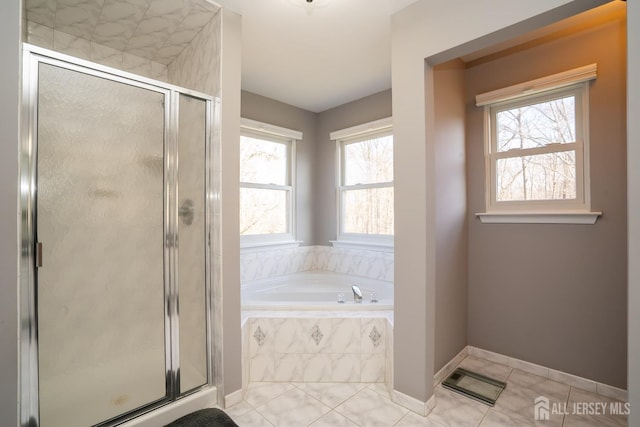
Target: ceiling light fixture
309	4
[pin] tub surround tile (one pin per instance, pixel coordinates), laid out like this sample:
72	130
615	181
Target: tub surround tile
317	368
288	367
262	368
372	336
316	335
372	367
345	335
345	367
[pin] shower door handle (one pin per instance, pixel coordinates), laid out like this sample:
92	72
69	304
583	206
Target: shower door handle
186	212
38	253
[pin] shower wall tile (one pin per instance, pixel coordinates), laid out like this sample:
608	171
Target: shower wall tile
39	35
77	17
106	55
71	45
44	36
42	12
315	349
197	67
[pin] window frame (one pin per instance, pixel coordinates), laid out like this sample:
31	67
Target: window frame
570	83
342	138
289	138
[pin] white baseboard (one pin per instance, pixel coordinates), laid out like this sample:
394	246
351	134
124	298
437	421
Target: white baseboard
543	371
413	404
233	398
449	367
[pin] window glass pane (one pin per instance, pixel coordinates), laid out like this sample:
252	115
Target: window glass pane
537	125
263	211
368	211
369	161
263	162
541	177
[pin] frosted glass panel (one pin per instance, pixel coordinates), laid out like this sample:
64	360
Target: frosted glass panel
191	243
100	219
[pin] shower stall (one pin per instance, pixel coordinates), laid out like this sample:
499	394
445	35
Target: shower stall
116	243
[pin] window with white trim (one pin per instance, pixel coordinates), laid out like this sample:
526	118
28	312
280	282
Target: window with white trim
537	147
267	202
365	183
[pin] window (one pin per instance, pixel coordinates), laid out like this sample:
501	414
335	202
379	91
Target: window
266	184
365	184
536	149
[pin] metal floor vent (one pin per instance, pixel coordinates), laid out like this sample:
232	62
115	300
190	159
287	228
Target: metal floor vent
475	386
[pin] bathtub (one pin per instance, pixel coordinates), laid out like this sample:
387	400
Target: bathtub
315	290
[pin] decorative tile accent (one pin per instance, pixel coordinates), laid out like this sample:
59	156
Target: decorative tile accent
316	334
259	336
375	337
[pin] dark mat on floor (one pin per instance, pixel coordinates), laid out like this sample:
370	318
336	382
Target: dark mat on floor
211	417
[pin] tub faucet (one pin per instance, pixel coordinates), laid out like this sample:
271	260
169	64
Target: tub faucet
357	294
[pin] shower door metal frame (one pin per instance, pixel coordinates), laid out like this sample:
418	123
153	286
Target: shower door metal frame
28	332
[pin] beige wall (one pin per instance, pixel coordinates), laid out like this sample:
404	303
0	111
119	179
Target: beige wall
554	294
267	110
354	113
451	210
633	180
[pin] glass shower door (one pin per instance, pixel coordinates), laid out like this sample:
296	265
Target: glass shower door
101	223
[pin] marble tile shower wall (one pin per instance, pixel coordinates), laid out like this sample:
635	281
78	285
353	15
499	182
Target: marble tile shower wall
280	262
43	36
317	349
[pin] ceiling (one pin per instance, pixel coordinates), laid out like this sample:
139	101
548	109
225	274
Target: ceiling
157	30
316	56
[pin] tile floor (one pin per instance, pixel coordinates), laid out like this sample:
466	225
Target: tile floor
360	404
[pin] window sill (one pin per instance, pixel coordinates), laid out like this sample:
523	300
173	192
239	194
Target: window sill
538	217
363	245
268	246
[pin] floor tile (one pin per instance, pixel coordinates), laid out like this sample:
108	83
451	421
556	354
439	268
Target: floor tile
239	409
369	408
380	388
414	420
580	400
517	400
452	409
294	408
331	394
251	419
260	393
494	418
333	419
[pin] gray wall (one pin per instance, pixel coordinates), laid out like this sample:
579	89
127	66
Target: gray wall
267	110
555	295
354	113
451	209
10	20
230	69
633	180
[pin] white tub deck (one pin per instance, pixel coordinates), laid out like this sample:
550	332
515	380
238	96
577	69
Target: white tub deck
315	290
